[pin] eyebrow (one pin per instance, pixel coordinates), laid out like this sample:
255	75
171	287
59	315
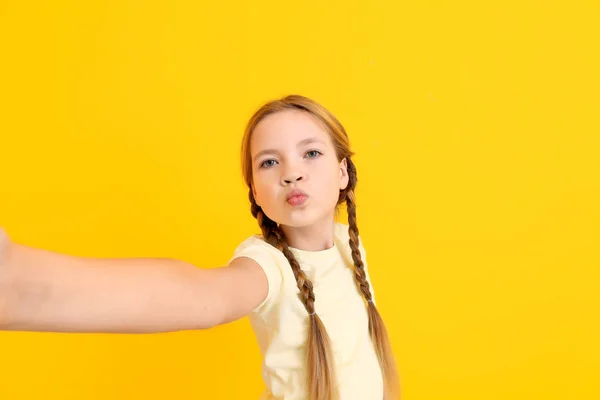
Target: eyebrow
300	143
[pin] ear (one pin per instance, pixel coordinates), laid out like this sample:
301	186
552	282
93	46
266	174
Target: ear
343	174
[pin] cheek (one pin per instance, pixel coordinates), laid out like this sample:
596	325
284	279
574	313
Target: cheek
263	190
330	185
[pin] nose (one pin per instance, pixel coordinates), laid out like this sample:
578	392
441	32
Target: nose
291	175
291	179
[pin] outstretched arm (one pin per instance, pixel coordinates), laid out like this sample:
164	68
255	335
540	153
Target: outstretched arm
46	291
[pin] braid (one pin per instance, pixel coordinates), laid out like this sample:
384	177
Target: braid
348	196
275	236
320	362
359	272
377	329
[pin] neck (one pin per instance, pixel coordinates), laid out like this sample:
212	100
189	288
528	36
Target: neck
315	237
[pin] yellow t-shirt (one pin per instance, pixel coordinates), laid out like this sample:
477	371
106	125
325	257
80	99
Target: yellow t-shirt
281	322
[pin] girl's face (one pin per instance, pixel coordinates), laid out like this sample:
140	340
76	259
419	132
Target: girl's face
293	154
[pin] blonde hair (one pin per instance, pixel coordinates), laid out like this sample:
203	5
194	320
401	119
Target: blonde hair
321	373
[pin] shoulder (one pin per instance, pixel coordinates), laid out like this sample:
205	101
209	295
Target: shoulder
253	241
256	246
343	241
342	236
270	260
340	229
258	249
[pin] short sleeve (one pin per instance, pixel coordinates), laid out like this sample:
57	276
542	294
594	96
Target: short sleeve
264	255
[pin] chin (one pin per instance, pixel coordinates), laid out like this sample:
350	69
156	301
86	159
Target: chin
298	217
288	219
301	221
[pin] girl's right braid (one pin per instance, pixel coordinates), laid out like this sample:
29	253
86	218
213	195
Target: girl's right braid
275	236
320	378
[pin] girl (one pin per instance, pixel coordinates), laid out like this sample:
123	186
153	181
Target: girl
303	283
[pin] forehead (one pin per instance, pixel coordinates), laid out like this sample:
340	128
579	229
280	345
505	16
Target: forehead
285	129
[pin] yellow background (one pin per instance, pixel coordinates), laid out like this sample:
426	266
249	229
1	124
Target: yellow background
476	130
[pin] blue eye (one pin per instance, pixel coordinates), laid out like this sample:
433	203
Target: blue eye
264	164
270	163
